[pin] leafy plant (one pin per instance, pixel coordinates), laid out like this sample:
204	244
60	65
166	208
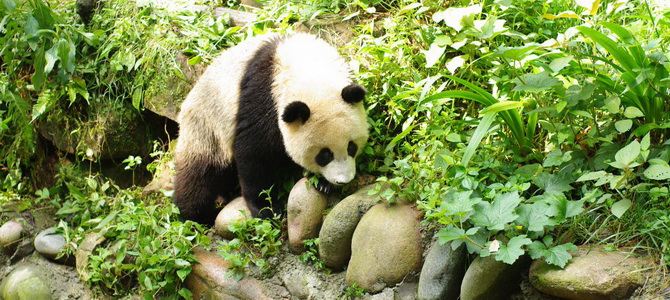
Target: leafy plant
644	77
311	255
257	239
354	291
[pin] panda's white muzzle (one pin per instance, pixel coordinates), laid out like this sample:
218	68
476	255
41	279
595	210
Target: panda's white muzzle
339	172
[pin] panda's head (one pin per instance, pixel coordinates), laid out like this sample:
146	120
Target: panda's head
325	135
320	110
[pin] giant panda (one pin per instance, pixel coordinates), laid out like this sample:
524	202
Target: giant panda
264	109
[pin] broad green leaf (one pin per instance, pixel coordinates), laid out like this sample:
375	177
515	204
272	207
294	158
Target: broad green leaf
561	209
31	26
533	217
558	64
516	53
657	172
559	255
628	154
66	55
10	5
620	207
455	64
51	57
623	125
592	176
535	83
553	184
557	158
645	143
453	16
633	112
513	250
449	233
496	214
433	54
43	14
612	104
459	202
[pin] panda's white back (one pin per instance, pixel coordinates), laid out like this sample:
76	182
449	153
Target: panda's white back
217	91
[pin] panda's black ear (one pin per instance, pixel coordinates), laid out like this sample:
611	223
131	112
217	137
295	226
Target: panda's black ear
296	111
353	93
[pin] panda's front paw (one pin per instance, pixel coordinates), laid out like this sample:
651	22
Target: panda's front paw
324	186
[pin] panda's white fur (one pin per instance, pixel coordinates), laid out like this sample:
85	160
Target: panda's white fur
214	130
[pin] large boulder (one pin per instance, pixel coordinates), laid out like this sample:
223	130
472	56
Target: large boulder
489	279
339	225
386	247
209	280
591	274
442	272
25	282
304	212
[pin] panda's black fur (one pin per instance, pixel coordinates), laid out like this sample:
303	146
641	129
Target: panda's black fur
260	159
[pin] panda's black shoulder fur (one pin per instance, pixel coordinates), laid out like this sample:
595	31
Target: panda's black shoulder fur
259	150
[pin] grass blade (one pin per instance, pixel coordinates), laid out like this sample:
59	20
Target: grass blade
477	136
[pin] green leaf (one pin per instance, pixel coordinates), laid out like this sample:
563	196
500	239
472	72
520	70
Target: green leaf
66	55
612	104
553	183
623	125
561	209
502	106
10	5
449	233
477	136
182	273
556	158
533	217
628	154
39	64
51	57
633	112
657	172
137	98
535	83
592	176
31	26
499	212
459	202
433	54
559	255
620	207
43	14
44	103
513	250
558	64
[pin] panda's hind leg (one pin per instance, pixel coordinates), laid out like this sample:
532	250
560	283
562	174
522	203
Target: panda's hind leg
197	185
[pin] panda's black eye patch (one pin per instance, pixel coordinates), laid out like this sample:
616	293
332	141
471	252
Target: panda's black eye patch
324	157
352	149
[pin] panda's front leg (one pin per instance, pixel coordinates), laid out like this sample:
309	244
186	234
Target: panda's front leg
258	188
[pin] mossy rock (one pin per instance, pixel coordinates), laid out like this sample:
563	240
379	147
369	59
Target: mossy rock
106	129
